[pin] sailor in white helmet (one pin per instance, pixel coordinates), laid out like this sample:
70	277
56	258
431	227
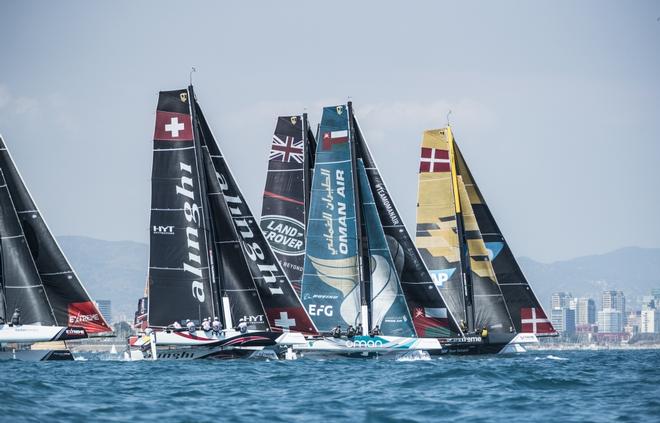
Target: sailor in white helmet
217	326
206	324
190	325
242	326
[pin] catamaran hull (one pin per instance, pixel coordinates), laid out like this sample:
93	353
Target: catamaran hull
366	346
29	334
36	355
476	345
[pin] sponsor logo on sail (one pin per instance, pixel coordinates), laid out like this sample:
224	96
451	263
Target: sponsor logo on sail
85	315
271	274
320	310
285	235
163	230
191	211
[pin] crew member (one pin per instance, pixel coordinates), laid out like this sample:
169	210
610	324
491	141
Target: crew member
336	332
217	326
484	332
358	329
16	317
350	332
190	325
2	320
176	325
206	324
375	331
242	326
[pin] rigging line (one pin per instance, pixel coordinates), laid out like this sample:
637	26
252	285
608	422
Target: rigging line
448	113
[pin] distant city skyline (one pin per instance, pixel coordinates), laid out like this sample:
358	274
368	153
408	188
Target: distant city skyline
554	105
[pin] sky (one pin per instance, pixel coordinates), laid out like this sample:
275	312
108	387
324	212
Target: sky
556	105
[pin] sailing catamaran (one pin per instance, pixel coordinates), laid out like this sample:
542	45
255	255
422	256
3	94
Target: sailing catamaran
209	258
349	275
449	238
37	280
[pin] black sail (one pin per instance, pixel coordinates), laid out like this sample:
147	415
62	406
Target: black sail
525	310
179	276
22	285
285	195
257	266
68	299
430	314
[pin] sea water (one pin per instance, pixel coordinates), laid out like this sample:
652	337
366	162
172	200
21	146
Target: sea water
558	386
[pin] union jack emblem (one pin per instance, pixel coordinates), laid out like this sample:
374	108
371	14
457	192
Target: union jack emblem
286	150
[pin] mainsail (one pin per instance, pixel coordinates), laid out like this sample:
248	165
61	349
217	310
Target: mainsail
286	194
330	285
526	311
449	239
389	310
429	312
255	266
436	235
179	276
70	303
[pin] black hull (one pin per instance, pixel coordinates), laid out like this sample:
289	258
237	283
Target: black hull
59	355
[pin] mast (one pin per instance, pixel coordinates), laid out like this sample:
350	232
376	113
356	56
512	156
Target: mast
307	165
207	222
362	247
464	253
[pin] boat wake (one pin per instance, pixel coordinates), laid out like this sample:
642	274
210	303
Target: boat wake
551	357
417	355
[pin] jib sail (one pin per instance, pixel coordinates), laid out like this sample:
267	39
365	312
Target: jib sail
526	311
286	195
179	276
70	303
245	258
389	310
22	285
429	311
330	285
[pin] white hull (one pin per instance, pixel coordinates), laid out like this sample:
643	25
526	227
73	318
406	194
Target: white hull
517	344
367	346
29	334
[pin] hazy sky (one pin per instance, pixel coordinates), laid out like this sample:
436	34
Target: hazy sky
556	105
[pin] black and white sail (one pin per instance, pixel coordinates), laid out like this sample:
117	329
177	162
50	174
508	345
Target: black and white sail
179	272
249	272
67	299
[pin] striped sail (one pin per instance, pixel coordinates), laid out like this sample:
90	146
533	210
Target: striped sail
526	311
389	310
330	284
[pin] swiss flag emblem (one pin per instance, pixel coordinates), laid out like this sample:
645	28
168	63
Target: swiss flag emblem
173	127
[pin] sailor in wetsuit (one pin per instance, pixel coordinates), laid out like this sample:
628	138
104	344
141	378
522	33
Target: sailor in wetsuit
358	329
16	317
375	331
336	332
350	332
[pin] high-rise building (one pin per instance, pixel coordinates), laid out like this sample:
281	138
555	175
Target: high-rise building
561	300
650	321
610	321
563	320
105	307
614	300
585	311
